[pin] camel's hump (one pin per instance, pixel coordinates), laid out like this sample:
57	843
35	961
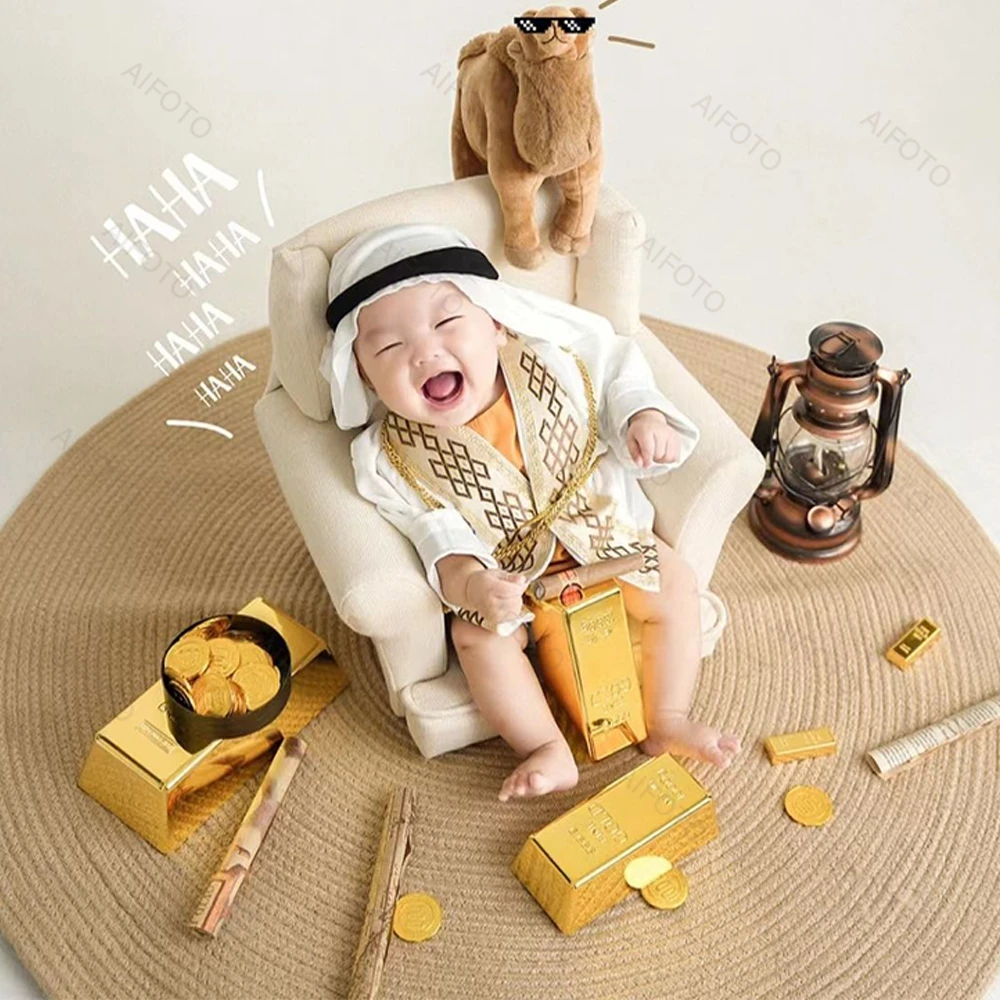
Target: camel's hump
492	42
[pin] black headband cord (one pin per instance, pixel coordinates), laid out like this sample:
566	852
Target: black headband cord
447	260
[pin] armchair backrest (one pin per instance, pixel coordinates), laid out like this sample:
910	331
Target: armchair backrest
605	280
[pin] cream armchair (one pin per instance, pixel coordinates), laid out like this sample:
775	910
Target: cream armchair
372	572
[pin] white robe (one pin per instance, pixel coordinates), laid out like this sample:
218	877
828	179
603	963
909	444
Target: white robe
623	384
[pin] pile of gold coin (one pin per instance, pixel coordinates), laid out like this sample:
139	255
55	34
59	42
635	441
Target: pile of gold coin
417	917
218	671
662	885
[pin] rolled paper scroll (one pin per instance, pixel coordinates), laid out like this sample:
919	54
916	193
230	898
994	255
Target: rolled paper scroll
547	587
888	760
217	900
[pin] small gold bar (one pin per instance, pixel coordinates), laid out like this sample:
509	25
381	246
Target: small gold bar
575	866
587	660
918	639
800	745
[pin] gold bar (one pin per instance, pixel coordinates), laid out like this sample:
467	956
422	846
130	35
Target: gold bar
800	745
587	661
575	866
137	770
917	640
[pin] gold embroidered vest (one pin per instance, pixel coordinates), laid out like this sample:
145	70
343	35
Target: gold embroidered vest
457	466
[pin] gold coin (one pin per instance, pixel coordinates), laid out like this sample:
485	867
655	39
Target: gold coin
212	695
187	659
252	653
182	691
417	917
239	697
668	891
225	655
214	627
260	682
641	871
808	805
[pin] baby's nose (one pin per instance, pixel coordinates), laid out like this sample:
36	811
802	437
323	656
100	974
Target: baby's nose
428	355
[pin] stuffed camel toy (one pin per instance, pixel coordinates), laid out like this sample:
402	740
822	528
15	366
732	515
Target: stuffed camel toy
525	110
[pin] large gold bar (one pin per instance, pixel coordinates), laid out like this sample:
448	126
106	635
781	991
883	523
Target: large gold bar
137	770
587	660
575	866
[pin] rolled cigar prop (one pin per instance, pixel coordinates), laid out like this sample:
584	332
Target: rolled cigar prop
554	584
888	760
217	900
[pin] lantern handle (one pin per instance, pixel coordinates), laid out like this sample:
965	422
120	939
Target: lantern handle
892	383
783	373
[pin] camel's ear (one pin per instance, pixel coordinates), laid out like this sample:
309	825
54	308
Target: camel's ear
514	50
529	13
579	11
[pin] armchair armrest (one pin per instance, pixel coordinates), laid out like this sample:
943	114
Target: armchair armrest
697	502
372	572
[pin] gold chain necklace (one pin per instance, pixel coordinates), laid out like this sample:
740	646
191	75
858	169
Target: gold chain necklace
541	520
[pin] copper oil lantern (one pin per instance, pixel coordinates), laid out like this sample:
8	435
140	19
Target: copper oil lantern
824	455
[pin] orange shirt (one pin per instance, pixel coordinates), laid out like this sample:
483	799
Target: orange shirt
496	423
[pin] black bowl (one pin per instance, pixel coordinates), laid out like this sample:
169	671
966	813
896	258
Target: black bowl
193	731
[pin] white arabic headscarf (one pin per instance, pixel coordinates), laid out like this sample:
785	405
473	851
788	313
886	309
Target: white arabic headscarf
379	261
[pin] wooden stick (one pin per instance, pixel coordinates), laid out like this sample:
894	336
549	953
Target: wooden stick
394	850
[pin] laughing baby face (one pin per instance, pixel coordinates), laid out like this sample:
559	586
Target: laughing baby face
430	354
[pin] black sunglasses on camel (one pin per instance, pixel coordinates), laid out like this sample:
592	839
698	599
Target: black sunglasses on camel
569	25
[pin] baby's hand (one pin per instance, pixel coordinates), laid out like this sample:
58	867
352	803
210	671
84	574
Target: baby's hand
495	594
650	438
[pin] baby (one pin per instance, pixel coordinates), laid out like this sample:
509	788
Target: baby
432	356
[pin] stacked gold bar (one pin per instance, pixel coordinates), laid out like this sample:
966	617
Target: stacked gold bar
575	866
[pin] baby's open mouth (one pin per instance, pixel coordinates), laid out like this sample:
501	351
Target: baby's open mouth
444	387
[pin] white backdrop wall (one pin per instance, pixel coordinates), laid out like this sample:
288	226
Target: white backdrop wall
795	163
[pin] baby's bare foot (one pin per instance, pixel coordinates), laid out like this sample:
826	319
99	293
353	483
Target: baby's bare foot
674	732
550	768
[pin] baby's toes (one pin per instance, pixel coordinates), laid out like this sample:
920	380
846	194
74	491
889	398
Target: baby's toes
521	783
538	782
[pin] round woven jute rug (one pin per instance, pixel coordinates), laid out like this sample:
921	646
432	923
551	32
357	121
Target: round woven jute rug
141	528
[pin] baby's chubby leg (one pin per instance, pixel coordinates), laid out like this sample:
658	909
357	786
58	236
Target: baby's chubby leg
671	658
506	690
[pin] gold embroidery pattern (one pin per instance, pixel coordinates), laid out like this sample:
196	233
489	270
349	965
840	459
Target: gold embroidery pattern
558	430
498	500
